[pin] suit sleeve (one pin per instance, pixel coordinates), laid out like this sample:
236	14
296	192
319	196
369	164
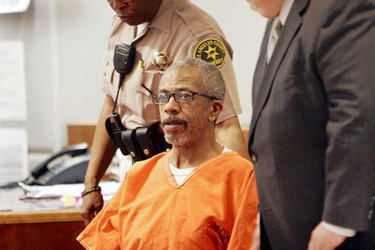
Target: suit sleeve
246	220
345	60
102	232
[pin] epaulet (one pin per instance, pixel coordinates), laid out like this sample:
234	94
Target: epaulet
200	25
209	48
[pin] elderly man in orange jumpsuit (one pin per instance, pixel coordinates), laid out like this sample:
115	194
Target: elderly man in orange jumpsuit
198	195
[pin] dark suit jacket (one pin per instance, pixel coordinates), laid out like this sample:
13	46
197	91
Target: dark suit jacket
312	134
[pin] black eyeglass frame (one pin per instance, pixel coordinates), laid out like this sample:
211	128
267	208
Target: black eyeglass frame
154	97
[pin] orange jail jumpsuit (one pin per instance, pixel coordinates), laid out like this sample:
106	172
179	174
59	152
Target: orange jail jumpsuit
214	208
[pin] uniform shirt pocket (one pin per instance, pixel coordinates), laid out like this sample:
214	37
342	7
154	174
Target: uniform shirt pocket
151	80
138	100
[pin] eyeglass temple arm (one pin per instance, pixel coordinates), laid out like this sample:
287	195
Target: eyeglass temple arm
209	97
147	89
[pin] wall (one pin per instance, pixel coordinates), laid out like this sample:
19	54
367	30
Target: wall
64	45
82	28
33	28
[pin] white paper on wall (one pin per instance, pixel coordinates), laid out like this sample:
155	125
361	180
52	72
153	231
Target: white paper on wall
12	81
13	155
13	6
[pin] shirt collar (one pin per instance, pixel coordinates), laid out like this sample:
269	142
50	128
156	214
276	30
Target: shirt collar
141	27
285	9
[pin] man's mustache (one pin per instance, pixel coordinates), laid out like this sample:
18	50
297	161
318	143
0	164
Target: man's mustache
173	120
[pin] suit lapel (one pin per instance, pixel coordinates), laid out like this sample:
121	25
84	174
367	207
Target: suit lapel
262	62
265	83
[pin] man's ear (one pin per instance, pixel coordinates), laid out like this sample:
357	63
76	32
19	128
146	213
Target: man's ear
215	109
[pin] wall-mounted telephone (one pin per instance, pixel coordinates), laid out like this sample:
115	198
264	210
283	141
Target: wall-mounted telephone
66	166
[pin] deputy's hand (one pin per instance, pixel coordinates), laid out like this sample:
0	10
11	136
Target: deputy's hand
323	239
92	203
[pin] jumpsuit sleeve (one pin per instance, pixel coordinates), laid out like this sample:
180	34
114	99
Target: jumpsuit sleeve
246	220
102	232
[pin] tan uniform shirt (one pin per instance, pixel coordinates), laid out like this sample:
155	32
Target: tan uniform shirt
182	30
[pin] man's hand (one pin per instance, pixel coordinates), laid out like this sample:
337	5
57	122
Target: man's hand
323	239
92	203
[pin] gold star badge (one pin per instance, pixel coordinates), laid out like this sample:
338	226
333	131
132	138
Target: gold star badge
161	60
211	53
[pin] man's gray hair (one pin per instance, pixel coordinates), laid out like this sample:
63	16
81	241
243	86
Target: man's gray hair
211	79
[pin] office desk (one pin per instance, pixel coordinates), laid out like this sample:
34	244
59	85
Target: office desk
37	224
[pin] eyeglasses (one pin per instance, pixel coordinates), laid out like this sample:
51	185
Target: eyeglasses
179	96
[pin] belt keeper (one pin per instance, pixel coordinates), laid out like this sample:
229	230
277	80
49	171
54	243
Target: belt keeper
91	189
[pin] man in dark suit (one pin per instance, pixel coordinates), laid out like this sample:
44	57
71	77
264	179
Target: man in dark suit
312	133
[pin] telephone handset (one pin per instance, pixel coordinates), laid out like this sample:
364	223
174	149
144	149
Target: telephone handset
66	166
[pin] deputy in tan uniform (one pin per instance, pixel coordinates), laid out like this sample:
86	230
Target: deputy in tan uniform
162	31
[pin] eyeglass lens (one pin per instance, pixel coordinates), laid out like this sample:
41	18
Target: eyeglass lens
179	96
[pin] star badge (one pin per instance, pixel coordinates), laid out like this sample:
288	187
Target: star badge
161	60
211	53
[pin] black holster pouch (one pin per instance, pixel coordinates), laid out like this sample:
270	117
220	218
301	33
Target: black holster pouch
145	142
141	143
114	128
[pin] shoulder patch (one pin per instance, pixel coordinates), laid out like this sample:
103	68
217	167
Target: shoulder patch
211	50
